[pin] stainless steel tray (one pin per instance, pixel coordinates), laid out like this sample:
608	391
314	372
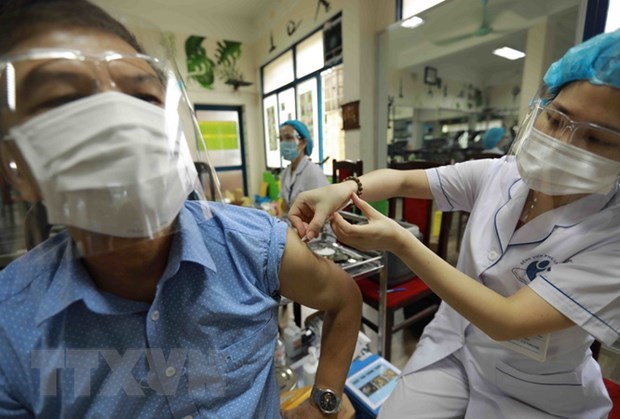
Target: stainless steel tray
352	261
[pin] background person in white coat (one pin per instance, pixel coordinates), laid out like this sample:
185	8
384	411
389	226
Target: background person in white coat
537	276
301	175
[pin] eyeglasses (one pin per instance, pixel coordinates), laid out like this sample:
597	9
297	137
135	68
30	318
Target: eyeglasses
586	135
42	79
289	137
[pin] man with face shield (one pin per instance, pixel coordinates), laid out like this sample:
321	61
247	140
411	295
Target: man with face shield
301	175
149	304
537	276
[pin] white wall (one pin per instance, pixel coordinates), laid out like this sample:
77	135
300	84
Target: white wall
363	19
273	23
186	17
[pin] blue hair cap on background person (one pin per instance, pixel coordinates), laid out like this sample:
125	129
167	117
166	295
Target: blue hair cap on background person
597	60
492	136
302	130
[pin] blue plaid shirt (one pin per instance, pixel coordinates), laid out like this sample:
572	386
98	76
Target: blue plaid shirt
202	348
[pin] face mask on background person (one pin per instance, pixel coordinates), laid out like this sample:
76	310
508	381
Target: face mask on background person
112	155
288	150
554	167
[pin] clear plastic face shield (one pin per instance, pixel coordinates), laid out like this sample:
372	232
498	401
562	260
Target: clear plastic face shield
105	138
290	142
557	154
569	143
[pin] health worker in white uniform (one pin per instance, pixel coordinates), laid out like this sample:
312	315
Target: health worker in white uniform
538	275
301	175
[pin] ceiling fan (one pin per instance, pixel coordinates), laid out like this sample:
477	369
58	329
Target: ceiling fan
484	29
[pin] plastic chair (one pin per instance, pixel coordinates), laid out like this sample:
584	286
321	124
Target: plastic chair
345	168
412	295
612	388
614	393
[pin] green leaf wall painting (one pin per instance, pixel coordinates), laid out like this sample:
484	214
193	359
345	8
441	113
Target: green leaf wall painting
200	67
224	65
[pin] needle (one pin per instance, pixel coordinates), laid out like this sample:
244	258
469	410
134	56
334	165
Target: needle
349	202
395	289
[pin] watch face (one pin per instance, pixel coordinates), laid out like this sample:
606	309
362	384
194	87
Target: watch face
328	401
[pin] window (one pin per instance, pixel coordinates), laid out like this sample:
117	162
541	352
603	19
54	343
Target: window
613	16
279	72
333	93
221	130
298	84
308	111
271	123
310	55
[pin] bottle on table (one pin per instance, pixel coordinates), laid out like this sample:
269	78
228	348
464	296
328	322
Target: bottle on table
292	340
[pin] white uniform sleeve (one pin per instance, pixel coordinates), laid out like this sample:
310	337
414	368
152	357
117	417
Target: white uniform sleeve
455	187
316	178
311	178
587	291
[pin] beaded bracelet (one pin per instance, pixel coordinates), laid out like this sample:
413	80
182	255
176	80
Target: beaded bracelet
359	184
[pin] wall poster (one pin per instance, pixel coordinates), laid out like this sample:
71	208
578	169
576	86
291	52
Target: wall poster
271	126
306	112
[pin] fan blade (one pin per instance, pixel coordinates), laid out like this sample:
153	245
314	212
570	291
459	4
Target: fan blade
453	39
485	14
484	29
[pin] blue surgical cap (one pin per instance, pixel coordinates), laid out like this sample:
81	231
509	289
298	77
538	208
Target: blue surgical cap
492	136
303	132
597	60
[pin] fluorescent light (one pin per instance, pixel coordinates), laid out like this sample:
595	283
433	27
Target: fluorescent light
415	7
613	13
509	53
412	22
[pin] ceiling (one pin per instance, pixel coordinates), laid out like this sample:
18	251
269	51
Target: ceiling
471	58
244	9
228	19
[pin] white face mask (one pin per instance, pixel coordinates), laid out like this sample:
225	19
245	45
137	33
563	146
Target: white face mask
553	167
109	164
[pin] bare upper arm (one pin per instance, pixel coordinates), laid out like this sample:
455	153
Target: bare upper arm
530	315
313	281
415	184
